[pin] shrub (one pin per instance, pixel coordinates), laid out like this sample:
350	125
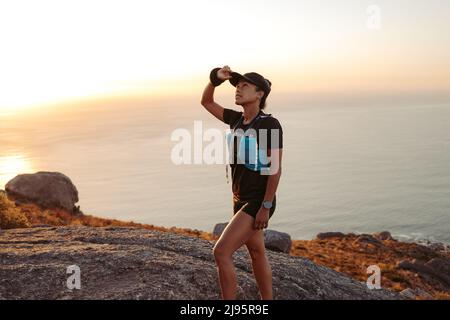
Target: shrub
11	216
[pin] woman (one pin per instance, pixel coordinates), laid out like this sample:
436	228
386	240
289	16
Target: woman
253	184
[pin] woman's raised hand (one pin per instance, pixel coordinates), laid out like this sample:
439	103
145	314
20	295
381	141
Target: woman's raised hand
224	73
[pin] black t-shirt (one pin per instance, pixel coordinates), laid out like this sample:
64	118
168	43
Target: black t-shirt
249	184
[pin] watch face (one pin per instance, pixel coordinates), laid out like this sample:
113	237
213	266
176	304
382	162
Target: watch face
267	204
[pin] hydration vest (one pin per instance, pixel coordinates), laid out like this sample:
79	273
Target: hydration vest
248	152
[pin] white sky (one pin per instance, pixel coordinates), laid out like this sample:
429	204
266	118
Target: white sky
55	50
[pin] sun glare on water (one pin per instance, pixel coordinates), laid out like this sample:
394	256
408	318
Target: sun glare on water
11	166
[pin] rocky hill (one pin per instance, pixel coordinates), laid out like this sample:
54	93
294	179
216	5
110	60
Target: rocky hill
124	259
137	263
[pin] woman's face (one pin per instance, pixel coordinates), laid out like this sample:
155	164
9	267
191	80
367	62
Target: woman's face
246	93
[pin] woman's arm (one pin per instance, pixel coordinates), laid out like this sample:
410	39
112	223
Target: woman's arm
262	217
274	175
208	102
208	94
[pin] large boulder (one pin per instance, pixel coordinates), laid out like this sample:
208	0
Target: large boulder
328	235
133	263
218	229
47	189
277	241
273	240
383	236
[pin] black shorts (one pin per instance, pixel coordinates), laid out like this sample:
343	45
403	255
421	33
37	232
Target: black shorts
252	206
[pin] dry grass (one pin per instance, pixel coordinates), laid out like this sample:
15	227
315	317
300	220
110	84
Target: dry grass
352	258
59	217
10	215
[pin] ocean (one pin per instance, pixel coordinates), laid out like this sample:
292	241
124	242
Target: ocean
345	168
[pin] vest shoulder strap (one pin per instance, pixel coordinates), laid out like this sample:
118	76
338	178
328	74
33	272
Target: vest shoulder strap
260	116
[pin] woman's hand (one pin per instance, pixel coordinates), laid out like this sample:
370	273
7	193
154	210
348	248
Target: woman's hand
224	73
262	218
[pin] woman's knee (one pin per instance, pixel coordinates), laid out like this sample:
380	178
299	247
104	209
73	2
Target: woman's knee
255	246
221	253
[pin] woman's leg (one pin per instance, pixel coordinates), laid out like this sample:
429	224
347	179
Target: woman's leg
237	232
260	264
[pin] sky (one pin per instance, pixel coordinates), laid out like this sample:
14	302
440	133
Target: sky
61	50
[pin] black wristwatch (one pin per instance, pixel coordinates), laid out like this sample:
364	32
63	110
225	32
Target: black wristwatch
213	77
267	204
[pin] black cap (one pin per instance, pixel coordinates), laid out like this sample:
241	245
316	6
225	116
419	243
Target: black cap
252	77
